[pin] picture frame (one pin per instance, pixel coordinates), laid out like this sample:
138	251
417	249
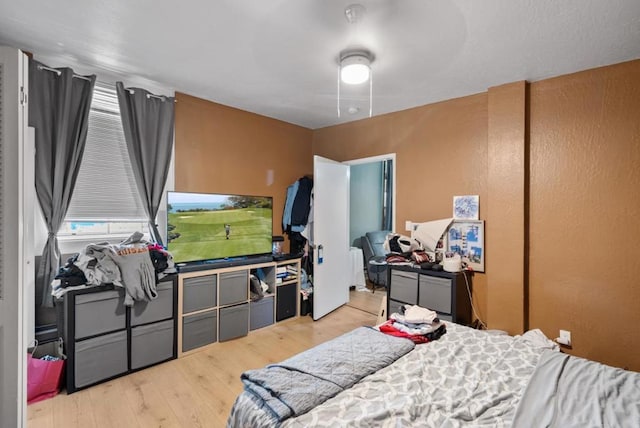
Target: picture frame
466	207
466	238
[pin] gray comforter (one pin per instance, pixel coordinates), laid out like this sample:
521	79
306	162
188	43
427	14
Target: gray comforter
300	383
567	391
467	378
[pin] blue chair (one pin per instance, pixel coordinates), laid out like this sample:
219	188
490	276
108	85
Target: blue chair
375	256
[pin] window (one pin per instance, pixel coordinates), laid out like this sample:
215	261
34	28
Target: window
105	200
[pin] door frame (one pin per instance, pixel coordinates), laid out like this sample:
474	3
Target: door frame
17	231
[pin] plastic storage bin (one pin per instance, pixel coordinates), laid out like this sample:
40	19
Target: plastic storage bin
198	293
403	286
261	313
199	330
234	287
101	312
234	322
100	358
161	308
435	293
151	344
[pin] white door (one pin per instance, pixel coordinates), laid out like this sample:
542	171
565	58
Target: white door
331	269
13	119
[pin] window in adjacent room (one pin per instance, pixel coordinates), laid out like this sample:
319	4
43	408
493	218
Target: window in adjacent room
105	202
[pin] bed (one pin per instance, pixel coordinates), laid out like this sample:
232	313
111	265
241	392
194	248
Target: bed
465	378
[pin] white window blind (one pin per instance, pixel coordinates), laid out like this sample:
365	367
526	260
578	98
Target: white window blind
105	189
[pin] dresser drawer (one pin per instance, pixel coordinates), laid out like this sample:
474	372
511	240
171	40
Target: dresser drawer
394	307
234	322
100	358
435	293
160	308
199	330
234	287
199	293
151	344
403	286
261	313
101	312
442	317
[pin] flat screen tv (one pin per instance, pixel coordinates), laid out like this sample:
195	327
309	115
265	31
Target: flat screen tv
206	226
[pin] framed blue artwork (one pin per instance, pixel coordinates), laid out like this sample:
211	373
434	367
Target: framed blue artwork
466	237
466	207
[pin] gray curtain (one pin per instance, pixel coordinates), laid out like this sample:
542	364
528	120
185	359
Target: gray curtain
147	120
59	105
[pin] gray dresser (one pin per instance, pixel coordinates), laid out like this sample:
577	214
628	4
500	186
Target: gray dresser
444	292
104	339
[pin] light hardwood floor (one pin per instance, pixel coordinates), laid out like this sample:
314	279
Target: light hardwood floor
197	390
366	300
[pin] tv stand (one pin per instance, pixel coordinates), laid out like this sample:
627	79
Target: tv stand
215	303
223	263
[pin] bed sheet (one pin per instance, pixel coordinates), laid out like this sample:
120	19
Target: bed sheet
467	378
567	391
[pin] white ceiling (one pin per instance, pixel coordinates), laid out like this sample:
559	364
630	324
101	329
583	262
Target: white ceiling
279	58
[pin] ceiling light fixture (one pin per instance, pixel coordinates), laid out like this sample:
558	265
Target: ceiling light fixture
355	69
355	64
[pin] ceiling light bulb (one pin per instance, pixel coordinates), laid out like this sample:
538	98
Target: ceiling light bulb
355	69
355	74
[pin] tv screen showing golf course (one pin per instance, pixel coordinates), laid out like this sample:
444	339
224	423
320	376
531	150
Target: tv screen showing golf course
204	226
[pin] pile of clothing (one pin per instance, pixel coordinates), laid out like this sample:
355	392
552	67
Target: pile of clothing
134	264
420	325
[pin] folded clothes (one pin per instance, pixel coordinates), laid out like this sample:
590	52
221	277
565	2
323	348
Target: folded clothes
389	328
418	315
401	319
417	328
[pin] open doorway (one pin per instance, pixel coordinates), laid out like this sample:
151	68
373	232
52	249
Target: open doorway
371	208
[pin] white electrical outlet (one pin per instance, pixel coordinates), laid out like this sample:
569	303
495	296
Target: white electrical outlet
408	225
565	338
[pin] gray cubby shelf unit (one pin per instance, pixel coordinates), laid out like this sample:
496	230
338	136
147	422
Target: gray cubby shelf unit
216	305
444	292
104	339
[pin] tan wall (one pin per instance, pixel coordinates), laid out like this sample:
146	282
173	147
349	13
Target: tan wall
585	211
505	208
226	150
581	175
441	151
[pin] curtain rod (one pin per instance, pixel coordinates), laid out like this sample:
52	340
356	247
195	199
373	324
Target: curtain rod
160	97
58	72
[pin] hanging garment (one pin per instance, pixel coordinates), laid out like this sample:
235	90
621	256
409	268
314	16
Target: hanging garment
301	204
292	190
